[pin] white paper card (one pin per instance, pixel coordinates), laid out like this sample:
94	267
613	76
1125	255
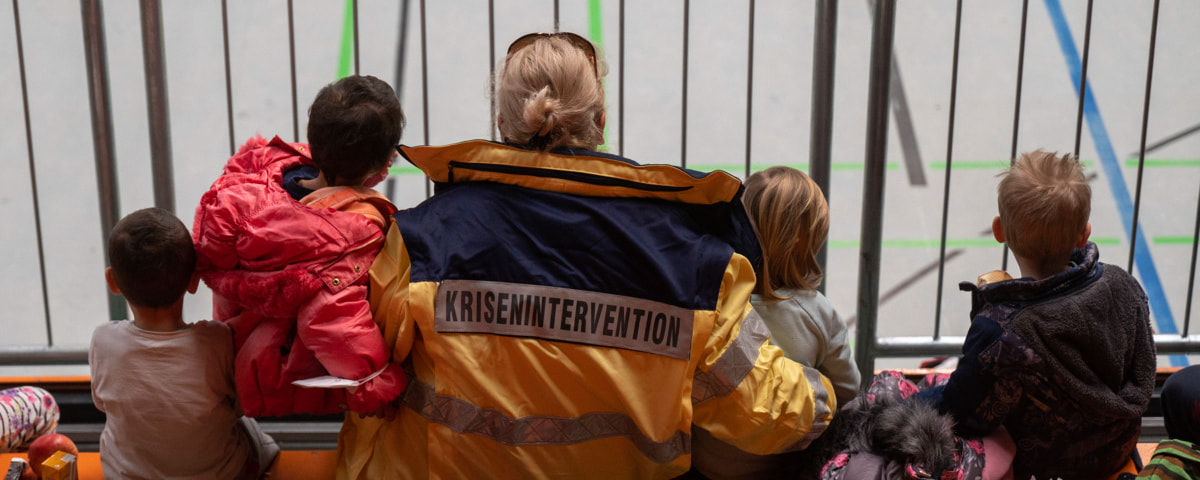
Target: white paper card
330	381
326	381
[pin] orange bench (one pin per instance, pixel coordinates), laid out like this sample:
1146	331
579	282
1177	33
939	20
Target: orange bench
297	464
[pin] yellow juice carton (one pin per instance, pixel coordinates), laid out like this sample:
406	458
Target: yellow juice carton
60	466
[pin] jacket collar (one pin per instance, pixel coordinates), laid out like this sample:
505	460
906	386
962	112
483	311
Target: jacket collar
1085	267
579	172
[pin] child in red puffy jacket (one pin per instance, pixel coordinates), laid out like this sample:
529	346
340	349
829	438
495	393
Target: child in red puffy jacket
285	237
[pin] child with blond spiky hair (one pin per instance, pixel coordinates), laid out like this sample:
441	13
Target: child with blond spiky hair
1063	357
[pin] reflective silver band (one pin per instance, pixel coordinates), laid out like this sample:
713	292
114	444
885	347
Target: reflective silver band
737	361
820	411
724	377
464	417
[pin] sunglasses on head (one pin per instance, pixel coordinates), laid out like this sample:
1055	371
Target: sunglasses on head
579	42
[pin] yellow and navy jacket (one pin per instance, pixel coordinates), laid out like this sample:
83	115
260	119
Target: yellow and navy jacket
572	315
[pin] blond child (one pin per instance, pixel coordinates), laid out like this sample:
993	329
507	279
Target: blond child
167	385
792	219
1062	357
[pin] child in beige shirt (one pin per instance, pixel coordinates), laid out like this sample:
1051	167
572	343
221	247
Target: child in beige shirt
166	385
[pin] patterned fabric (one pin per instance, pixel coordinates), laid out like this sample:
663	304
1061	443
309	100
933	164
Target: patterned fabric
1173	460
968	457
25	414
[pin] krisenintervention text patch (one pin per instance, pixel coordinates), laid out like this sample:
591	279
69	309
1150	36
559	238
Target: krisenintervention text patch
564	314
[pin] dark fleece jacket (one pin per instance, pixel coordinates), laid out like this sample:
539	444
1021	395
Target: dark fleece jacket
1066	363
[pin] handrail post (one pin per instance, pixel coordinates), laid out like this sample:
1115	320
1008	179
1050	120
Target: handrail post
95	53
821	130
882	32
156	104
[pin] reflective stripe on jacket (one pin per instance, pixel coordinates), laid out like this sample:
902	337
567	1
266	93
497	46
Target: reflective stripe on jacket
572	315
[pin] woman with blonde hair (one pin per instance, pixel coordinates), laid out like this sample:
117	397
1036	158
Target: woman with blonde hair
567	313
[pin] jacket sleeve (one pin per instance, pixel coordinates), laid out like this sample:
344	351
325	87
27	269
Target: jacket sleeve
337	326
745	392
389	296
971	386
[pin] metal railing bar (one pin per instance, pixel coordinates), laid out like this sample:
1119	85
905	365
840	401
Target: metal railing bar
556	16
941	276
687	4
228	76
1087	41
919	346
1137	196
952	345
354	12
824	58
821	123
401	60
103	146
43	355
621	78
882	36
492	62
158	104
749	85
1174	344
425	91
37	209
1012	156
1187	315
292	60
402	50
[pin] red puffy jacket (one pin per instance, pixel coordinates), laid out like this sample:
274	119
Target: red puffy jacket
291	281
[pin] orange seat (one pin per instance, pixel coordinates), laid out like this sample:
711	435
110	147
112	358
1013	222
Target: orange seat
1129	467
291	464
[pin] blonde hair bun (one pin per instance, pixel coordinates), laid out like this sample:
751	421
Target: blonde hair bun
548	96
541	112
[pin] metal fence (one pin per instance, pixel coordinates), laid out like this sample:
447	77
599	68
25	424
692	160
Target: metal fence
881	102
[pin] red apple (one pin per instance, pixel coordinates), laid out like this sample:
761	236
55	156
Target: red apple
46	445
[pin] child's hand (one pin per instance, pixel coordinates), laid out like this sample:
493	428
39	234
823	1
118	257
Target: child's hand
372	398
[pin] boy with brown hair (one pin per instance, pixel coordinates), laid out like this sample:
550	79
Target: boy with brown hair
167	385
1063	357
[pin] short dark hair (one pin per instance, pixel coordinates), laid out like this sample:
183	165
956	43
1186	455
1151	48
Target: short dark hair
353	126
152	257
